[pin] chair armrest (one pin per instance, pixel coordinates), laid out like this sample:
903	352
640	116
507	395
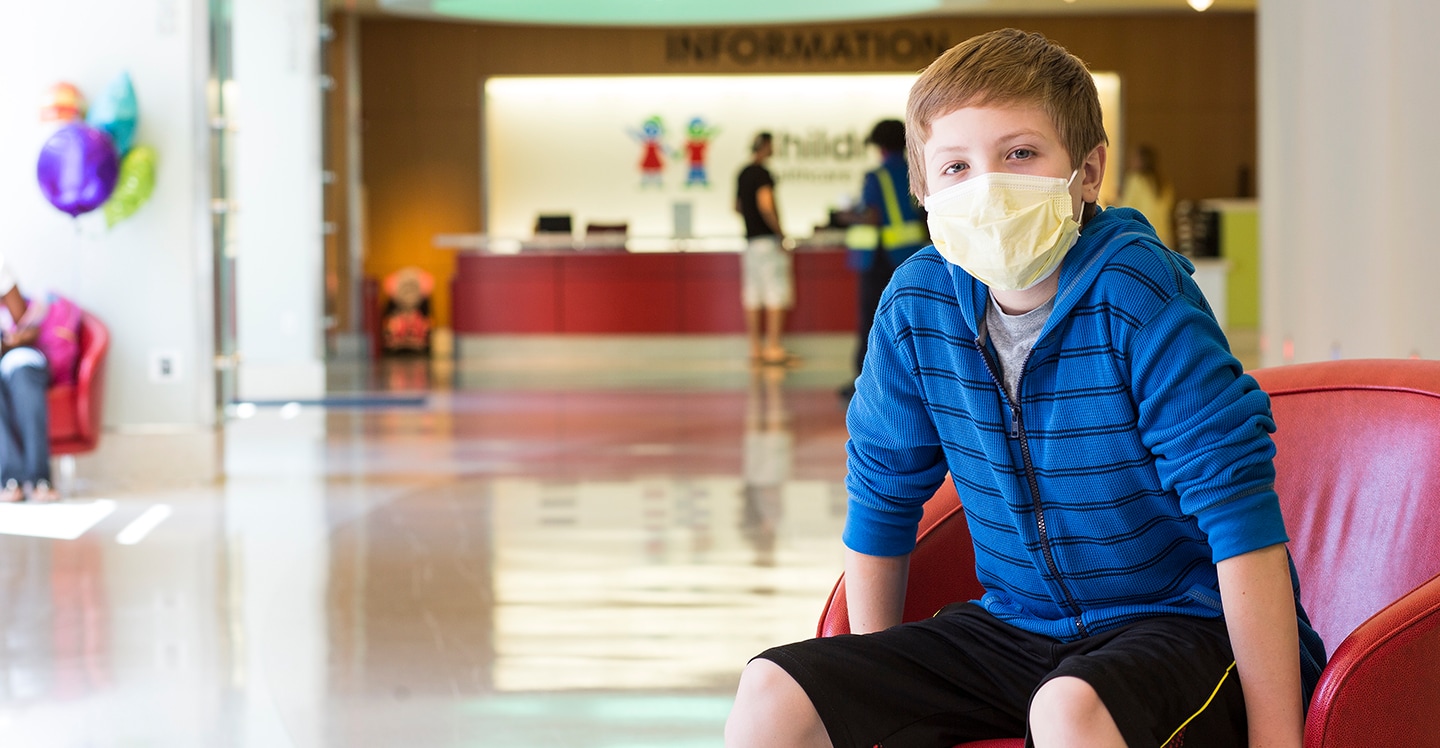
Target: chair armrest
90	380
942	567
1382	686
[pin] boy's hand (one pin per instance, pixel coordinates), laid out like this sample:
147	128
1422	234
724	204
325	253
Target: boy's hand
19	336
1260	614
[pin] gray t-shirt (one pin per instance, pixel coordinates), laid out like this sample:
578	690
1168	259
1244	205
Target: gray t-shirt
1014	335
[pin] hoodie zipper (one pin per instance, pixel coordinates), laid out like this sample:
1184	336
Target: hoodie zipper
1017	431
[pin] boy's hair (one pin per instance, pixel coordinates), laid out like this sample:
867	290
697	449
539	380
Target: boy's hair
1005	67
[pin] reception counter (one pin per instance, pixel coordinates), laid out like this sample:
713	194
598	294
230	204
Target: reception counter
598	291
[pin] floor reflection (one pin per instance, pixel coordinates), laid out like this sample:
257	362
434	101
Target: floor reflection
28	612
485	566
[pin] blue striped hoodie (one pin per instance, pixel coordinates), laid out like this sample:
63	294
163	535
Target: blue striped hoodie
1136	457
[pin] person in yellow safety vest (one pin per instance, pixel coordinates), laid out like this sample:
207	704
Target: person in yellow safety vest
886	228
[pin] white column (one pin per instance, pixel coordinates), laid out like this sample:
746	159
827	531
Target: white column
1350	158
278	210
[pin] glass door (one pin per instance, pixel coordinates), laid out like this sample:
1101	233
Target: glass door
221	94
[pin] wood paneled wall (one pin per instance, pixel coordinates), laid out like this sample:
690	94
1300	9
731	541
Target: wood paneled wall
1188	86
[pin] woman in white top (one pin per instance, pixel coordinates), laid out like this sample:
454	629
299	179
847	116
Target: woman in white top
1145	190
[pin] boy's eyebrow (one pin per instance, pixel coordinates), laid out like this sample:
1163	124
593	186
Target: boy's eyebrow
1021	133
1026	132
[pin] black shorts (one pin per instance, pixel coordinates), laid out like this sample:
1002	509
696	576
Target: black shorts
964	675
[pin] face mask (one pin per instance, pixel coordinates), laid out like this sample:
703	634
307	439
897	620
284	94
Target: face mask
1009	231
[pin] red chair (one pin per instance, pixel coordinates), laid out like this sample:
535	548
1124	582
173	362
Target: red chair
76	409
1358	473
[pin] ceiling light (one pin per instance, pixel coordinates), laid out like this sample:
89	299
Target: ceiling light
1201	5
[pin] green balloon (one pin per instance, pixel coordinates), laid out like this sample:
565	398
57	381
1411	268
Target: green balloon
134	185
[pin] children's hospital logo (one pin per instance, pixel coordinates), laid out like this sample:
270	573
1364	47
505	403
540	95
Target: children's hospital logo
814	155
654	151
819	155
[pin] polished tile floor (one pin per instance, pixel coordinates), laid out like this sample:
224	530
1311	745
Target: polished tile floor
554	544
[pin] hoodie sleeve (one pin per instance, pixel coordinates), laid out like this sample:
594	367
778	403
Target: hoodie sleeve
1208	425
895	461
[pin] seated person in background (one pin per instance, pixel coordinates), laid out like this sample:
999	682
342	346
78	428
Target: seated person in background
406	318
24	414
1114	462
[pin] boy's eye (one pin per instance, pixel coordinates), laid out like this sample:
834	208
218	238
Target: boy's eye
954	168
1022	153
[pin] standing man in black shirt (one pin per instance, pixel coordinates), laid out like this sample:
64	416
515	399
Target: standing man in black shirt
767	286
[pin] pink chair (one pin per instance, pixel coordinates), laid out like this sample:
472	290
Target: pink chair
1358	473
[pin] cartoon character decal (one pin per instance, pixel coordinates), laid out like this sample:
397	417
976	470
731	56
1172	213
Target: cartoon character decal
654	152
652	158
695	147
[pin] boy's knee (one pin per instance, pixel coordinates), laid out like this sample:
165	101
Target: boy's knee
1070	707
771	706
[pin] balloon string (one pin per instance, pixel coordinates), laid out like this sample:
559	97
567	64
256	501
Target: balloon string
77	260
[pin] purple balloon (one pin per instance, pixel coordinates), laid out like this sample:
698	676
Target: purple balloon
77	169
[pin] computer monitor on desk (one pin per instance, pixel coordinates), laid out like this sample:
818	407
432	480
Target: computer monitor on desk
554	224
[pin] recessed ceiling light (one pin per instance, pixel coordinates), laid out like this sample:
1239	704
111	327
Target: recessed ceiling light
1201	5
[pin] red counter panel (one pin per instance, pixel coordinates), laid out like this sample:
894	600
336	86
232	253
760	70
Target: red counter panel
710	293
620	293
825	294
518	295
624	292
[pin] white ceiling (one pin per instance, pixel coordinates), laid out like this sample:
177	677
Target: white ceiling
635	12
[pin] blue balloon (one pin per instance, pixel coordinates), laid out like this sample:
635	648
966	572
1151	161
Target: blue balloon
117	113
77	169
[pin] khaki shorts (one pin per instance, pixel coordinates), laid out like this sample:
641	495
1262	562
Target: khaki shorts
765	275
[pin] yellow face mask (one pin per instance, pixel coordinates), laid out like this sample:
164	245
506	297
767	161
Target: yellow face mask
1009	231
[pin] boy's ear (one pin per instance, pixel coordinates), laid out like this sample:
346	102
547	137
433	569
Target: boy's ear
1092	171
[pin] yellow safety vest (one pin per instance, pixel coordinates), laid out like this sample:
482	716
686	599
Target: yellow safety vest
897	231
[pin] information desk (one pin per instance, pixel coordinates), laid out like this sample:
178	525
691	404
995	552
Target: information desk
616	291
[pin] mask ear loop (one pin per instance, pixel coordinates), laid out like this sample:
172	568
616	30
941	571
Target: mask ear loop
1084	206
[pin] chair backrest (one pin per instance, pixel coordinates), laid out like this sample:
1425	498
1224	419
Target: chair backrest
1358	472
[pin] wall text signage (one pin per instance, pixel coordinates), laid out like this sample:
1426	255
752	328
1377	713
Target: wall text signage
789	47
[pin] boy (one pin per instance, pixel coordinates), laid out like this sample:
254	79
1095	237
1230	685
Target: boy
1113	460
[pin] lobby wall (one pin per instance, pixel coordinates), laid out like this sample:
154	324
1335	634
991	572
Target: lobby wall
149	277
1189	89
